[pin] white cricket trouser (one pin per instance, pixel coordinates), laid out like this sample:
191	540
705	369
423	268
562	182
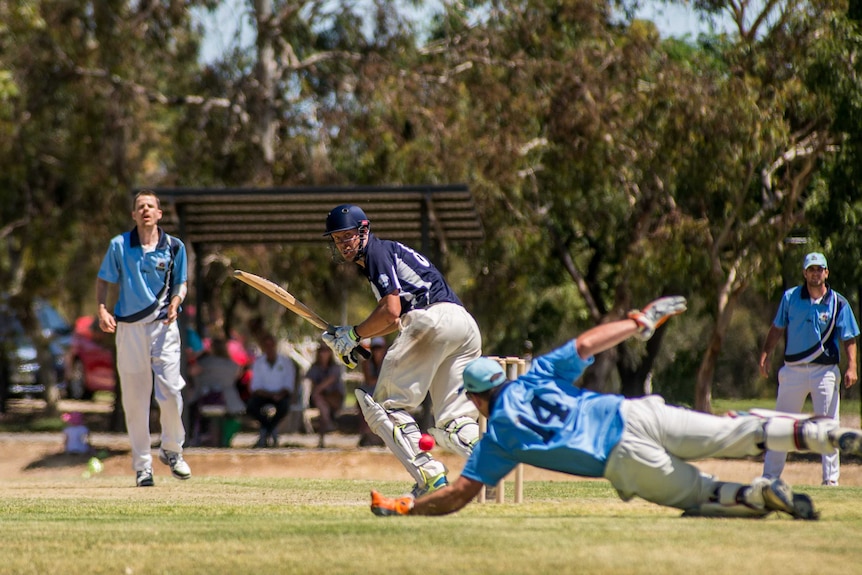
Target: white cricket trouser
429	356
149	351
651	459
795	382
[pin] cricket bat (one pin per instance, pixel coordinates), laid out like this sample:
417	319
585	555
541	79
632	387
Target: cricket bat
285	298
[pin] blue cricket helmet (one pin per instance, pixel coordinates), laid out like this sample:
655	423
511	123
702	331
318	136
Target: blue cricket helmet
346	217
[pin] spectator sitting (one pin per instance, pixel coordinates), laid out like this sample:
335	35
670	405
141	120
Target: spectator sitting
215	375
76	435
327	389
273	381
371	371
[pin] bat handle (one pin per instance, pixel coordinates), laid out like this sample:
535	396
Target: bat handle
362	351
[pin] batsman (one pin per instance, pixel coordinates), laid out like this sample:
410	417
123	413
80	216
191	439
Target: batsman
437	339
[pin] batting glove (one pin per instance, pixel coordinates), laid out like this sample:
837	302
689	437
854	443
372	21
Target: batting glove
385	506
656	313
346	339
349	359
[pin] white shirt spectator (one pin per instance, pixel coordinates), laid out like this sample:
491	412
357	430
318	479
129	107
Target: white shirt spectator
273	377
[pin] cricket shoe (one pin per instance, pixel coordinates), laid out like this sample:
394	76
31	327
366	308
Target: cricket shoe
432	485
778	496
179	468
848	441
144	478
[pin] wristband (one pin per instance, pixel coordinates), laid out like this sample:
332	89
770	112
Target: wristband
181	292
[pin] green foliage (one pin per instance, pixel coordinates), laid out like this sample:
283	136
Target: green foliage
676	367
835	211
737	370
77	81
737	373
608	165
676	381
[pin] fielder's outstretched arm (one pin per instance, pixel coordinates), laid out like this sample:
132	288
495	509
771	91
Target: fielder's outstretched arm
446	500
640	323
603	337
449	499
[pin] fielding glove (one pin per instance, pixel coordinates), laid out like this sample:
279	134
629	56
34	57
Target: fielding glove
349	359
656	313
385	506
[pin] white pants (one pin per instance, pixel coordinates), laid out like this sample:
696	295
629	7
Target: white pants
150	351
429	356
650	461
795	382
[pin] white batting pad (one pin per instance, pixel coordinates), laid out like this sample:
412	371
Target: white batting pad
420	465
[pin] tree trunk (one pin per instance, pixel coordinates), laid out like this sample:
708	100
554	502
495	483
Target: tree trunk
635	372
265	72
728	300
703	386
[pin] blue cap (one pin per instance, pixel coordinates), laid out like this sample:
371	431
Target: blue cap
814	259
482	374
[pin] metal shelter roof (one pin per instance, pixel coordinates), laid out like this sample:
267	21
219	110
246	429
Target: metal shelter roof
437	215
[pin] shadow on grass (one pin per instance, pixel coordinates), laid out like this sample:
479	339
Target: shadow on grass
60	460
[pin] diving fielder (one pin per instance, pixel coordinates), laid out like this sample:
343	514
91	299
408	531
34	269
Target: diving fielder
437	338
642	446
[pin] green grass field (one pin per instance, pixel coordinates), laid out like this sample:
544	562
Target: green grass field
848	407
217	525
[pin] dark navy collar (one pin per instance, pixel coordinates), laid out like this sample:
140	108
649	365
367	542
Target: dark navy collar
805	295
135	240
363	257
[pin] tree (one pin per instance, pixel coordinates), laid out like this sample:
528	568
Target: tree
542	107
78	130
646	166
764	145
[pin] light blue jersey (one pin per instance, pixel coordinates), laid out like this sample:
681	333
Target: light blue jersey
544	420
806	322
147	280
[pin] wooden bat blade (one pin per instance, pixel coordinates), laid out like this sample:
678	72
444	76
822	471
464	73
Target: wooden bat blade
285	298
282	296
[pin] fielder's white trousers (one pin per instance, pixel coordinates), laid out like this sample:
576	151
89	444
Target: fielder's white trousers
429	356
651	459
795	382
148	352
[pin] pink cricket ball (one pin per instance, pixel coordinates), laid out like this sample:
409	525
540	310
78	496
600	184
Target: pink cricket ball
426	442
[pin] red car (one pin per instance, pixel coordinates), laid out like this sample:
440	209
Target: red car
89	360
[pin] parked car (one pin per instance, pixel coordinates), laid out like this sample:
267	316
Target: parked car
19	365
89	360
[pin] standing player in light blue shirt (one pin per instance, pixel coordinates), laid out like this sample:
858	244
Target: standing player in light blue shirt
815	318
149	269
642	446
